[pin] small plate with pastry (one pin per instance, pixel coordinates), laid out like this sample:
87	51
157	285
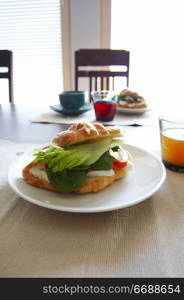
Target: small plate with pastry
87	168
130	102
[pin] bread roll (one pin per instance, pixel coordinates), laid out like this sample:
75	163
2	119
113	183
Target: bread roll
81	132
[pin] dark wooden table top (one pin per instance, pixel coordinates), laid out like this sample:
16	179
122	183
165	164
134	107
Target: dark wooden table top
15	124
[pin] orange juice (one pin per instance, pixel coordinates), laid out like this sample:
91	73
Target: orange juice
172	143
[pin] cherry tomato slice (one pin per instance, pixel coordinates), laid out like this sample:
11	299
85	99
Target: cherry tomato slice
119	164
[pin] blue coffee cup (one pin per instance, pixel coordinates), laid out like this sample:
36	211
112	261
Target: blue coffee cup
72	99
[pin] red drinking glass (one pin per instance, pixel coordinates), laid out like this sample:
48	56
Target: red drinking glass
104	105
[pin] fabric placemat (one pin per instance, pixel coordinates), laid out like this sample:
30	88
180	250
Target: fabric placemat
145	240
149	118
9	151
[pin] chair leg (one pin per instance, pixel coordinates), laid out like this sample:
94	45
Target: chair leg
10	91
90	88
107	82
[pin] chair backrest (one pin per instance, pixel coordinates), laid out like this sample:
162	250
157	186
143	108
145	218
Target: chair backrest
101	79
6	60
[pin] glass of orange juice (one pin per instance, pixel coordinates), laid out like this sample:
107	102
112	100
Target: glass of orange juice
172	142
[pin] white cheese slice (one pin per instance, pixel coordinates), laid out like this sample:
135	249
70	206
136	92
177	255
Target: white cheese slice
39	173
42	174
101	173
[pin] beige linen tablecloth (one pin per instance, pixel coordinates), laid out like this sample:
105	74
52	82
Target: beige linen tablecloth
149	118
146	240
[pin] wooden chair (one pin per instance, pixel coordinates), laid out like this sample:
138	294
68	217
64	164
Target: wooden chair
6	60
100	58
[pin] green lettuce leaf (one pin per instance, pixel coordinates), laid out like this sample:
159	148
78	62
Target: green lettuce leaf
59	158
81	156
67	181
103	163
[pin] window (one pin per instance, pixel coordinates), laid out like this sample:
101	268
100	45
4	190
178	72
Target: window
32	30
152	32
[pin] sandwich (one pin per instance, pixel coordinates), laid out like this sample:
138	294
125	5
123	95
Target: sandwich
130	99
85	158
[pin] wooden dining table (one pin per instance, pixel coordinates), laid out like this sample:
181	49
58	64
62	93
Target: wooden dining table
15	124
142	240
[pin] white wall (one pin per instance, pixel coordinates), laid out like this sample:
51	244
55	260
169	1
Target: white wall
85	26
155	41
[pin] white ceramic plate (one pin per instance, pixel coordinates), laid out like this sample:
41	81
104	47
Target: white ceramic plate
132	111
141	182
